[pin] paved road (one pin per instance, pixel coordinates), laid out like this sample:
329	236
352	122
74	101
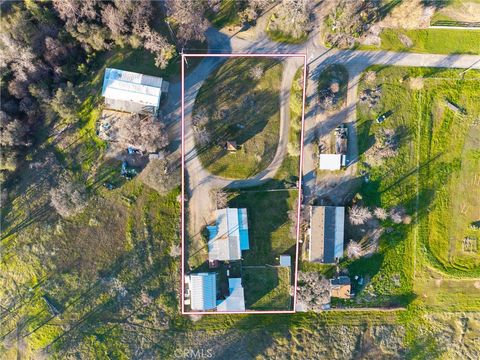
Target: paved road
200	181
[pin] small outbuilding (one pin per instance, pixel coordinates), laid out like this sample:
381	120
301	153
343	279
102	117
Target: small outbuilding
231	146
326	234
285	260
340	287
331	161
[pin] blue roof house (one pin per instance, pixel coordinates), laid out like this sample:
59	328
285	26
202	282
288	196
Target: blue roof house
229	236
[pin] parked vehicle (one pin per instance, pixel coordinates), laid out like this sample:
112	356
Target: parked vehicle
384	116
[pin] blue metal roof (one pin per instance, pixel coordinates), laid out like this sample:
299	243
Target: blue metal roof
203	291
243	229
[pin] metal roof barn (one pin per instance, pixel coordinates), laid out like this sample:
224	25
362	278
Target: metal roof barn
326	233
132	92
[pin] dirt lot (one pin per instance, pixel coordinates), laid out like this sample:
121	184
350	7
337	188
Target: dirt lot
465	11
410	14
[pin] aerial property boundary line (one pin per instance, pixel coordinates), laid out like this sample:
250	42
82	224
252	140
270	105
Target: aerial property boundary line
299	202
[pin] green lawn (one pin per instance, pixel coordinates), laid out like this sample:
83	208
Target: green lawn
267	288
436	41
435	166
270	224
242	109
281	37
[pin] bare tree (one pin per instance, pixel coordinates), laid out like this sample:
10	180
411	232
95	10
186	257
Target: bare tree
256	72
292	17
114	19
387	143
380	213
358	215
398	215
158	45
189	19
55	51
202	136
68	10
69	197
313	290
145	133
200	119
220	197
354	250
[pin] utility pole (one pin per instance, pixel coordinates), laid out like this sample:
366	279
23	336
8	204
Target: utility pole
186	62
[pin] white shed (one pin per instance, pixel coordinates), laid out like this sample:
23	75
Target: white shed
331	161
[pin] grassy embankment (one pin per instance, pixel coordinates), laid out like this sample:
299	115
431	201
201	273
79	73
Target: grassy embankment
241	109
435	41
436	163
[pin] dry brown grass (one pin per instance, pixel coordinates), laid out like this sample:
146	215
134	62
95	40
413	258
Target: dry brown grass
416	83
464	11
411	14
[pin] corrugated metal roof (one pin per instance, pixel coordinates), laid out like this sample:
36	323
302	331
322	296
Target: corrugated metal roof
203	290
236	300
243	229
326	233
339	231
229	236
134	87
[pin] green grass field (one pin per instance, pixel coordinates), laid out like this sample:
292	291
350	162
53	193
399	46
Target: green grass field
267	288
270	224
242	109
436	163
435	41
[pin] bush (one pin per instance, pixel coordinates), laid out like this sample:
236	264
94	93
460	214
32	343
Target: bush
69	197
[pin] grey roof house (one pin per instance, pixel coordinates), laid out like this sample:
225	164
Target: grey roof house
326	234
